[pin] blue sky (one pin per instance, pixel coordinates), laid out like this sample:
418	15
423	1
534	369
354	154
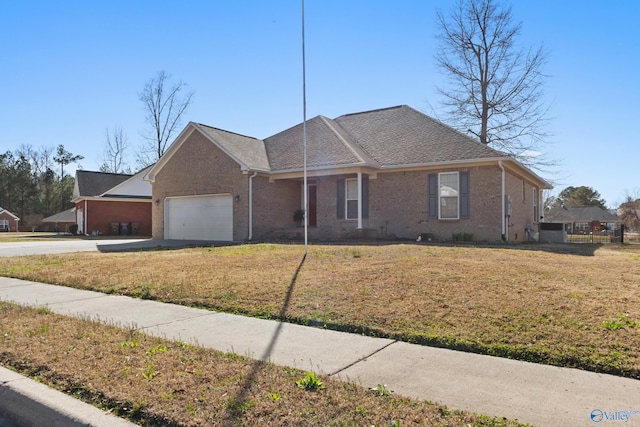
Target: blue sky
71	69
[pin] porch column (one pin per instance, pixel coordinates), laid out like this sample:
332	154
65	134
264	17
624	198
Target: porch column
359	200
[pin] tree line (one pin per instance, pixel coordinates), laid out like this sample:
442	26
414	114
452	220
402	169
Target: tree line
34	183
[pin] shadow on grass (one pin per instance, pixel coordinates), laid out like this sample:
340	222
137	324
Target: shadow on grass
233	411
159	245
581	249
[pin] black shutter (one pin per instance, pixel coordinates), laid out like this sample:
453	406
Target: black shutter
365	196
464	195
433	196
340	199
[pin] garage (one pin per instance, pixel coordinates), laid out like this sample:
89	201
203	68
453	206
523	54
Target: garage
206	217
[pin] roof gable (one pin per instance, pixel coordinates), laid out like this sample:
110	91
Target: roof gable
249	152
5	212
134	186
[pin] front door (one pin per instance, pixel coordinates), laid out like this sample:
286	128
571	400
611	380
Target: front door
313	215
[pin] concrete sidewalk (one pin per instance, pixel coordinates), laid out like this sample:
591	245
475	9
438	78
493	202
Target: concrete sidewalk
537	394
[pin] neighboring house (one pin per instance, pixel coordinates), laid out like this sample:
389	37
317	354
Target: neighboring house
388	173
583	219
8	221
112	204
59	222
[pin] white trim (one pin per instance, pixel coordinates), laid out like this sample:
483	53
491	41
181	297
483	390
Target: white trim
126	182
359	200
250	237
111	199
503	229
8	213
347	199
440	196
536	205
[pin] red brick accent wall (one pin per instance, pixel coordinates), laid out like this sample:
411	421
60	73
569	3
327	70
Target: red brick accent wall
13	226
100	214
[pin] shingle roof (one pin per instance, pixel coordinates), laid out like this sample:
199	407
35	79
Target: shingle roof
392	137
396	136
580	214
327	145
91	184
403	136
245	149
65	216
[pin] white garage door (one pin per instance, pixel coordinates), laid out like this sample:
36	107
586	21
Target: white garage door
207	217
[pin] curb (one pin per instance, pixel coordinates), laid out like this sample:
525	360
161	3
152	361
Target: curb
27	403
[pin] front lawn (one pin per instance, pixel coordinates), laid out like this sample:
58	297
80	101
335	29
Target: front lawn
568	305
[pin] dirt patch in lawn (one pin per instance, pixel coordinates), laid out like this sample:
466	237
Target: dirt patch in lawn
156	382
568	305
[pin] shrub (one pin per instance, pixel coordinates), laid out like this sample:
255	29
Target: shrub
462	237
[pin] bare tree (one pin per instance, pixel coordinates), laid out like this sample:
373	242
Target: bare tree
114	156
164	106
494	89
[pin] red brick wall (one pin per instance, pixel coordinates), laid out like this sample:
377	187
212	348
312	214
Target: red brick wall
100	214
12	221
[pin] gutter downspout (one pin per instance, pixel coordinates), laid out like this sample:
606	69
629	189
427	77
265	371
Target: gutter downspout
86	216
251	205
503	213
359	200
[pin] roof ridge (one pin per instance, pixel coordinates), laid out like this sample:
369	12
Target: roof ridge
104	173
227	131
373	111
352	145
328	122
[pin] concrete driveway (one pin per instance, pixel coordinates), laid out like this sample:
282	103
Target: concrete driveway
9	249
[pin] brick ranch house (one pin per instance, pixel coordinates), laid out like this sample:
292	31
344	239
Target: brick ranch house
112	204
383	174
8	221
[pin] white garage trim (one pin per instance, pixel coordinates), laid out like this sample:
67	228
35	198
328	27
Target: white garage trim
203	217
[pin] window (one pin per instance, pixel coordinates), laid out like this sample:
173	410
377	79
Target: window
347	198
448	191
536	214
351	198
4	224
449	195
